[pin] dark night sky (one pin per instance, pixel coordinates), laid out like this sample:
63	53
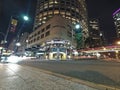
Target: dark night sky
101	9
16	8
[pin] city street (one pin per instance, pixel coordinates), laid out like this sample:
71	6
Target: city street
96	71
60	45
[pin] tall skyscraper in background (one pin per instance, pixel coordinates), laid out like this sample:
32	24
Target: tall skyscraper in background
73	11
116	17
97	37
22	41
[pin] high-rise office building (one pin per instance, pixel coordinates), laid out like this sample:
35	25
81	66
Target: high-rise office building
72	11
116	17
95	34
23	44
55	20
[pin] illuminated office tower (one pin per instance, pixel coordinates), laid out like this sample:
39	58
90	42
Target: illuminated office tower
97	37
73	11
116	17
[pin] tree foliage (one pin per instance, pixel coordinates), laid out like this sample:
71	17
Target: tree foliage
78	37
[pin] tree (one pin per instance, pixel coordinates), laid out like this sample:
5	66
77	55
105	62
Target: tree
78	37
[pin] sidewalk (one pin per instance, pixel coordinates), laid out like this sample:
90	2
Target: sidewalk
16	77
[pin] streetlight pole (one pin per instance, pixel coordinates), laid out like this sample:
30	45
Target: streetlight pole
77	26
25	18
2	42
5	39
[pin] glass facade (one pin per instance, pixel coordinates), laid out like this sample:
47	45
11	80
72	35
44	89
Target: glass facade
74	10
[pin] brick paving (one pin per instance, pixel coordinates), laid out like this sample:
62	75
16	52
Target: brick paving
16	77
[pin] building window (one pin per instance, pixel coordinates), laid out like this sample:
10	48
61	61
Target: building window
32	36
47	33
42	36
34	39
56	12
35	34
38	32
31	41
50	12
43	30
48	26
45	13
69	34
38	38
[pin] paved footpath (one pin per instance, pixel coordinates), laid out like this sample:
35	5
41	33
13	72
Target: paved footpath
16	77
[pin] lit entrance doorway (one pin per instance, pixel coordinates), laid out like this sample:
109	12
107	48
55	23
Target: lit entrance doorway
57	56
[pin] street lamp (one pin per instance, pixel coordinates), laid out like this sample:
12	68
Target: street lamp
26	18
17	43
76	27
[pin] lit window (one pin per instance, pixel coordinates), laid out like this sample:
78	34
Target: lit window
39	23
40	15
51	2
46	4
56	12
50	5
68	14
56	2
73	19
63	13
45	7
68	17
50	12
45	13
43	21
44	18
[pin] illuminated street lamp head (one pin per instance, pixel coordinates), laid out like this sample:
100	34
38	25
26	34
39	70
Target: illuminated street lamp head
25	18
18	44
77	26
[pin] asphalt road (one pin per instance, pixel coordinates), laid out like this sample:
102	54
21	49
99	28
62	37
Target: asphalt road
97	71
